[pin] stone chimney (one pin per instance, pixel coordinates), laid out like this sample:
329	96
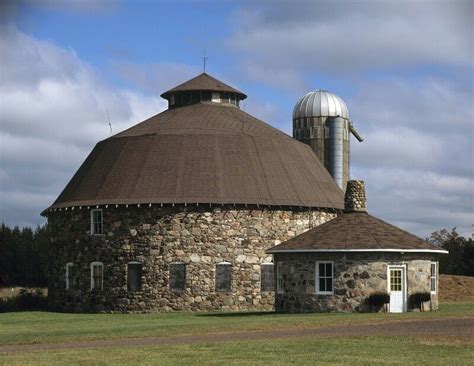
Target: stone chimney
354	199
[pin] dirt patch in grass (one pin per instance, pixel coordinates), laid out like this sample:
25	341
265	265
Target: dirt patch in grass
457	329
456	288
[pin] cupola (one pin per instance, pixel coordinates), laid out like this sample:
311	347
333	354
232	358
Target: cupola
203	88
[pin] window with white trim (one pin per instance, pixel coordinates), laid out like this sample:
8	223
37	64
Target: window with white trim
267	278
96	222
134	276
97	276
433	277
324	278
280	288
223	278
69	276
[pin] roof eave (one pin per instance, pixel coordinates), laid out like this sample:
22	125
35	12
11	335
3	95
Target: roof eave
273	251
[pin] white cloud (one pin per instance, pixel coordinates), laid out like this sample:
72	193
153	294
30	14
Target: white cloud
327	37
53	110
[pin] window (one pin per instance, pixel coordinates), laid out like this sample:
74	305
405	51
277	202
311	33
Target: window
96	222
177	276
433	277
206	96
324	277
223	277
395	280
225	97
280	278
216	97
134	276
69	276
267	279
97	276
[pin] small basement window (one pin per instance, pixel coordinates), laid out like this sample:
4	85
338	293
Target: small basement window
134	276
324	278
97	276
223	278
69	276
433	277
267	279
177	276
96	222
280	288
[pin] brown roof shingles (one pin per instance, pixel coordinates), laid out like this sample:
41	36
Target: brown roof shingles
203	82
202	153
354	231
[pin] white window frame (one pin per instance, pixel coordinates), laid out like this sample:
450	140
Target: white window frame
318	277
101	221
433	277
68	283
280	289
261	271
132	263
97	264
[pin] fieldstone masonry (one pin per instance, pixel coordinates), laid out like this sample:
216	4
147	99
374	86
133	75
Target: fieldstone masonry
200	237
355	199
356	277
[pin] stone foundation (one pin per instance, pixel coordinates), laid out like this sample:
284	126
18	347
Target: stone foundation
356	277
156	236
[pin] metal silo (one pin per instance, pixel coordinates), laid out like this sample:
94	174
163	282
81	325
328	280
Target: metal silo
321	120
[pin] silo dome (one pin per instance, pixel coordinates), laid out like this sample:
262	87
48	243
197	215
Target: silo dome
320	103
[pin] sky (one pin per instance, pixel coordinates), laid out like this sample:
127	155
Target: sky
404	69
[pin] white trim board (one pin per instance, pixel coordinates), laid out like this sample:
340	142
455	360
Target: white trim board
271	251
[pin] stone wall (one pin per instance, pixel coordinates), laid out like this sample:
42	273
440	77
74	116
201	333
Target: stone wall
356	276
200	237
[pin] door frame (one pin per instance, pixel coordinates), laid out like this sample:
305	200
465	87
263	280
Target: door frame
404	283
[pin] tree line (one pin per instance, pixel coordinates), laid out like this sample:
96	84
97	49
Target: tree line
24	255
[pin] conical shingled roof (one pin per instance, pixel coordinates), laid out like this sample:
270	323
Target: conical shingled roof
202	153
355	231
203	82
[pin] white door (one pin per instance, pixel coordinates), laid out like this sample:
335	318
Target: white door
396	287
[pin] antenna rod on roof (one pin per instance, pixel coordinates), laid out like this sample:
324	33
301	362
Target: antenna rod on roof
204	59
110	124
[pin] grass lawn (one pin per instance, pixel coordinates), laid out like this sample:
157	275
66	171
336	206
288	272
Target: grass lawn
44	327
304	351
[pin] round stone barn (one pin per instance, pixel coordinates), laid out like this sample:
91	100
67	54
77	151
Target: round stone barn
338	265
176	212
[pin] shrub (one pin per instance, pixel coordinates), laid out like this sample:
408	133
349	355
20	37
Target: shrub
24	301
379	298
418	298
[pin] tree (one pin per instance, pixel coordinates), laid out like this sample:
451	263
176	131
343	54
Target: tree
460	260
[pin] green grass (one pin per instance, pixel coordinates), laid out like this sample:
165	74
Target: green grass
45	327
304	351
